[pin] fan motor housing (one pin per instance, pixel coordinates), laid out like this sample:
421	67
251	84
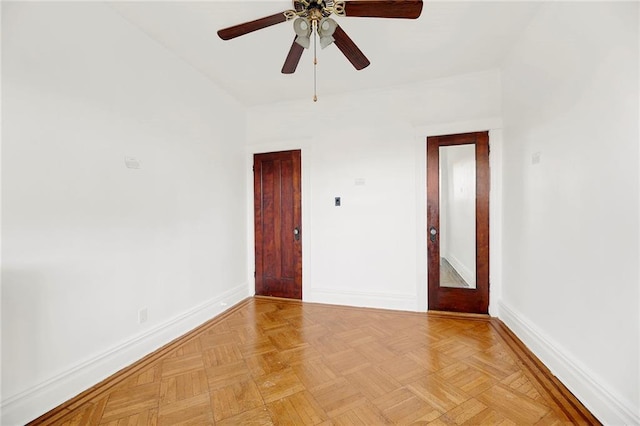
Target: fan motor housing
306	8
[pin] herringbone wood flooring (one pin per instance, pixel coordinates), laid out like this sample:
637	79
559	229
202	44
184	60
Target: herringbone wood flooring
269	361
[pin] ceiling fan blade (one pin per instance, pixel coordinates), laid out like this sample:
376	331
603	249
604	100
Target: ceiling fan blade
293	58
350	50
247	27
406	9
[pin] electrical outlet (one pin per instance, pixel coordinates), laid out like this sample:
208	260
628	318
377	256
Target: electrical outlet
142	315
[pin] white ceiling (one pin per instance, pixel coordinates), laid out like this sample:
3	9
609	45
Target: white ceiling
449	38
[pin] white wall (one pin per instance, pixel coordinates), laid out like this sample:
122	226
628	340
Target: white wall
369	150
88	242
570	278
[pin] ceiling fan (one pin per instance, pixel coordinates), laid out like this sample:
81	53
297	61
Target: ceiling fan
312	17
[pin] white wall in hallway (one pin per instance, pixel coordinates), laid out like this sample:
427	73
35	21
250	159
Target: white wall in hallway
571	190
86	241
369	149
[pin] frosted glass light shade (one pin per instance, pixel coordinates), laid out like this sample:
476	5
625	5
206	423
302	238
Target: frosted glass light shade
326	41
304	41
327	27
302	27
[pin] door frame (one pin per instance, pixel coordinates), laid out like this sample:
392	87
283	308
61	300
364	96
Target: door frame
475	300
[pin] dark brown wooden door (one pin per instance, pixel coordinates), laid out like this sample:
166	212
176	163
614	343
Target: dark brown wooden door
456	284
278	231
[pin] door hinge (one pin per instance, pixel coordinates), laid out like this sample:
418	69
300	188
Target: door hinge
254	274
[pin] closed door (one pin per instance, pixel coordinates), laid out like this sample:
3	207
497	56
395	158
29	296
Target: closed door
277	215
458	222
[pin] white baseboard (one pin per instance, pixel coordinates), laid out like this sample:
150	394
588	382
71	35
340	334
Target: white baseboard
609	408
32	403
400	302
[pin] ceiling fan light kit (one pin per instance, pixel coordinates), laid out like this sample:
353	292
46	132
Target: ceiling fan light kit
312	17
326	28
326	41
302	28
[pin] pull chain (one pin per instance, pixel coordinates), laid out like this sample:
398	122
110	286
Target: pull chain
315	61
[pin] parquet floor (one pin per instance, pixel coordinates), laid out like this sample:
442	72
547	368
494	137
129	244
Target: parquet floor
269	361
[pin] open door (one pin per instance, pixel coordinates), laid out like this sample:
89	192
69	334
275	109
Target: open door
458	222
